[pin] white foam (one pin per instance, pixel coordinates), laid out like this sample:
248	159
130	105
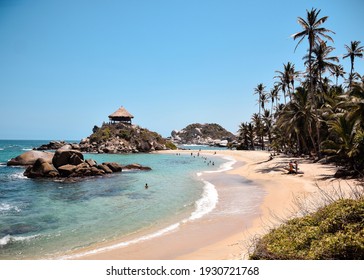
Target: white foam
126	243
1	149
17	176
8	238
206	203
225	166
4	207
24	149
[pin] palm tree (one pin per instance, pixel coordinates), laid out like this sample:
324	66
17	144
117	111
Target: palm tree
273	95
296	121
260	90
259	128
337	71
321	61
313	31
353	51
287	78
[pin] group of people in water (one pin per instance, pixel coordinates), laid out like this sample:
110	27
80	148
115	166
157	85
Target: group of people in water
206	160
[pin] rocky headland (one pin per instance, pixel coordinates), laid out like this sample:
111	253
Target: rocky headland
115	138
210	134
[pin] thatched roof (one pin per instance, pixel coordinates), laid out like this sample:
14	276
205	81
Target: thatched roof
121	113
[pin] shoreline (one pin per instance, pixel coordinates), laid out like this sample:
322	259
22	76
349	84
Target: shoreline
217	235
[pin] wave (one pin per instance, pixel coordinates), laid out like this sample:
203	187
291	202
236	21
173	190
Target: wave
25	149
225	166
206	203
1	149
125	243
5	207
12	239
17	176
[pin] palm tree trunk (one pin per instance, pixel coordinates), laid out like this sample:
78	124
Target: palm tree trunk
311	91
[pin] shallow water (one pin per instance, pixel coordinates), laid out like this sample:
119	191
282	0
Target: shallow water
44	219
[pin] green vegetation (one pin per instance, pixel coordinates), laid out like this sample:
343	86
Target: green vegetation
335	231
170	145
319	117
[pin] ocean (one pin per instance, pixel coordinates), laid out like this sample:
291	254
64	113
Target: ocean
46	219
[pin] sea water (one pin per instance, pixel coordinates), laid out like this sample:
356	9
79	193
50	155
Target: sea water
44	218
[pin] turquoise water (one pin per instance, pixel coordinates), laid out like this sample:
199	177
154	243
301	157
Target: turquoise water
46	219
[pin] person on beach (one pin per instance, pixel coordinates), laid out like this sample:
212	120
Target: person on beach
290	168
296	166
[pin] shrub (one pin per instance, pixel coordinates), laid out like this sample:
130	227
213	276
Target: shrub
335	231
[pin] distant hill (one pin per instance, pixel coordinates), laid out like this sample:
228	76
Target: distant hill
203	134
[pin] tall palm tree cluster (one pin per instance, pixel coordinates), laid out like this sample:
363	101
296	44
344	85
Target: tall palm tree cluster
318	117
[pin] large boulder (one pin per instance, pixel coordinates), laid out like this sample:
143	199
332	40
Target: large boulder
115	167
105	168
41	168
30	157
64	157
66	170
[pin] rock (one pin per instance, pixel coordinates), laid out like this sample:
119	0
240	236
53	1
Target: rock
135	166
96	172
75	159
64	157
66	170
66	147
109	150
91	162
30	157
41	168
83	169
115	167
53	145
104	168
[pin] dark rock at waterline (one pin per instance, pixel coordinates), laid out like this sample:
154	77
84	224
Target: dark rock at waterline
135	166
41	168
30	157
115	167
63	157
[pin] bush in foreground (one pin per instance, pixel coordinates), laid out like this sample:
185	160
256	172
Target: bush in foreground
335	231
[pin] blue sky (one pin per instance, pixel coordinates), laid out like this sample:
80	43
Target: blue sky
66	65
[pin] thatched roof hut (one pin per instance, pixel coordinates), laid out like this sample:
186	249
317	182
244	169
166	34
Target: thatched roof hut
121	115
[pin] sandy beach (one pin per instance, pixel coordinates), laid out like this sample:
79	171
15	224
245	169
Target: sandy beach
227	231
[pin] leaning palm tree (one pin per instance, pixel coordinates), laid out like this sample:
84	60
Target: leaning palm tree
353	51
314	32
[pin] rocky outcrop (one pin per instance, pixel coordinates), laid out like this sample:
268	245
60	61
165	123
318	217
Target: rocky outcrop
70	164
203	134
123	138
30	157
55	145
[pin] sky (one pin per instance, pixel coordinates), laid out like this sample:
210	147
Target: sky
66	65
